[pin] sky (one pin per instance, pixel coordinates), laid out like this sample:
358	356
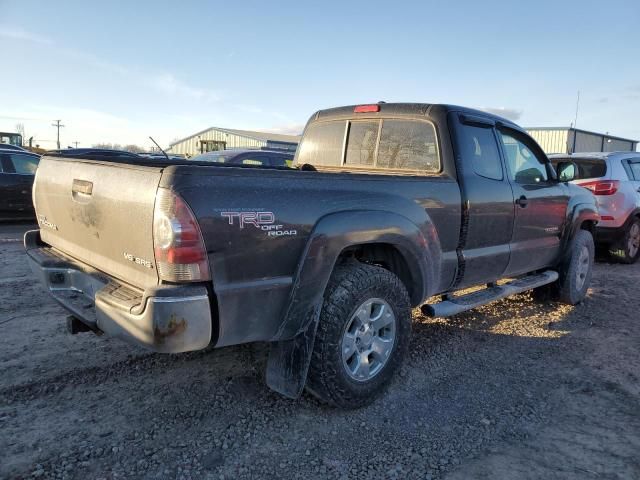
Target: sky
119	71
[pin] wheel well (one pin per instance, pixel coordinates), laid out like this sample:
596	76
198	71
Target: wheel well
386	256
588	225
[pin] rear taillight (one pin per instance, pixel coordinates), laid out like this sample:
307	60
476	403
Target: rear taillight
602	187
179	249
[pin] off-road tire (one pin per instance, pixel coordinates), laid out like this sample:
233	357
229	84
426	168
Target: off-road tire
351	285
620	251
566	289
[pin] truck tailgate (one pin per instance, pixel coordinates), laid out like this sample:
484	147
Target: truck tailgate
100	213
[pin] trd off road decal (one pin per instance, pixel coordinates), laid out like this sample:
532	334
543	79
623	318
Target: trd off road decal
265	221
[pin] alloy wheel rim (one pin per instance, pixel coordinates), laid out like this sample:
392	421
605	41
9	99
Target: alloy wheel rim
368	339
583	267
634	240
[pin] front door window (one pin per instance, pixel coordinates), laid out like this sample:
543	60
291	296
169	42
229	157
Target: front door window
525	167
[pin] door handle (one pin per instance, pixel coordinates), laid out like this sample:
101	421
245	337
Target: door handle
82	186
81	190
522	201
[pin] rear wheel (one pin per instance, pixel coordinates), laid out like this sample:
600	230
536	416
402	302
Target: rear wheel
362	337
628	249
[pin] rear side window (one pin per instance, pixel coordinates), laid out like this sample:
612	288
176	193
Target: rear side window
587	167
24	164
322	144
479	147
211	157
407	145
254	159
280	161
386	144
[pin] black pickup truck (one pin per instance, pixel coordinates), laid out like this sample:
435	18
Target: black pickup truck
388	205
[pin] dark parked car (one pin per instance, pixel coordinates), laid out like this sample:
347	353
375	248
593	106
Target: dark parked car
8	146
97	153
267	158
392	205
160	156
17	170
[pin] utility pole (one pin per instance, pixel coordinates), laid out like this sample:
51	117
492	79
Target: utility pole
58	125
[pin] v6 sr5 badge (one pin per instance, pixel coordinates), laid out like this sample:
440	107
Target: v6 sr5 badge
265	221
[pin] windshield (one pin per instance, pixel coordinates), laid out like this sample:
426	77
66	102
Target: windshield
215	157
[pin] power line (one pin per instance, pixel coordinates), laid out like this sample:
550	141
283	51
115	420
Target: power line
58	125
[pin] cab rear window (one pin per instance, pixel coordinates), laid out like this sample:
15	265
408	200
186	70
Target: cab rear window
387	144
322	144
587	167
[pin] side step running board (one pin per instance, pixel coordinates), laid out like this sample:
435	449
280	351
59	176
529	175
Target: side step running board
456	305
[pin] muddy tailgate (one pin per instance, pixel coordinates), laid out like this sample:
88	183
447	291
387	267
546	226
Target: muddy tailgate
100	213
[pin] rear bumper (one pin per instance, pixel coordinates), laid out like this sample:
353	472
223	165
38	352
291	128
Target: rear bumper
166	319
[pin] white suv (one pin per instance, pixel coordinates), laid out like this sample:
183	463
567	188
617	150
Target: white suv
614	179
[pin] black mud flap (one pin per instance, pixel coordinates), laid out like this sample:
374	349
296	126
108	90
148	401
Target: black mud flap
289	360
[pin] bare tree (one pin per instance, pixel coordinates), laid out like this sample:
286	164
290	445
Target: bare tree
133	148
108	146
20	130
116	146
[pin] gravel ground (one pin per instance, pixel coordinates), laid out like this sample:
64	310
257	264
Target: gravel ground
513	390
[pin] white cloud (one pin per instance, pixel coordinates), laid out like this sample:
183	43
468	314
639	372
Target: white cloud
290	129
16	33
169	84
510	113
249	108
165	83
89	126
93	61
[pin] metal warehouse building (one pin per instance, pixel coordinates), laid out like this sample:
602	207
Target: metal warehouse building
215	138
571	140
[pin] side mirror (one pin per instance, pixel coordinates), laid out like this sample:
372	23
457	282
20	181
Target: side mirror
567	171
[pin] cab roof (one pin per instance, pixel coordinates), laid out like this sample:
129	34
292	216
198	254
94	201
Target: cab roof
408	109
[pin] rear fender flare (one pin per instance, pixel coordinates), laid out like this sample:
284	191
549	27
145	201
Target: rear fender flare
420	248
632	215
577	215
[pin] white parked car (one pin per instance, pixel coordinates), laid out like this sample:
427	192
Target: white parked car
614	179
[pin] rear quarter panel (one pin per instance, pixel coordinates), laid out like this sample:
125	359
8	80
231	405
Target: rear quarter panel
253	271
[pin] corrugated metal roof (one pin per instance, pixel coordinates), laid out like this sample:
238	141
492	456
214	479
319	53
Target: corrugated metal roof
263	136
583	131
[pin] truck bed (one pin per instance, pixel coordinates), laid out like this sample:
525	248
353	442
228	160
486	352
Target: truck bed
252	262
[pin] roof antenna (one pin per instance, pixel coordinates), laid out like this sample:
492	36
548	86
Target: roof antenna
159	148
